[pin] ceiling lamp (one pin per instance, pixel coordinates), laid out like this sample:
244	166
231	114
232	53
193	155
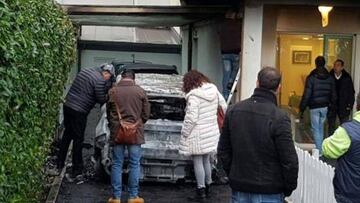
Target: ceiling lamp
325	10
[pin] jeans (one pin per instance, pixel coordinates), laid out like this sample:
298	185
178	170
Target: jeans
202	168
75	124
118	153
230	69
242	197
317	117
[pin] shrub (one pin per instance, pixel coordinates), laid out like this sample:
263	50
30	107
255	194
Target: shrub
37	47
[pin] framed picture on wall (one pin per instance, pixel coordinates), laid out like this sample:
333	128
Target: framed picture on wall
301	57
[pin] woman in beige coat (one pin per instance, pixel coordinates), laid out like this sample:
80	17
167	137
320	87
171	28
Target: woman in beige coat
200	131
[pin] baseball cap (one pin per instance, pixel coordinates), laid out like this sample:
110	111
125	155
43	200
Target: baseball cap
108	67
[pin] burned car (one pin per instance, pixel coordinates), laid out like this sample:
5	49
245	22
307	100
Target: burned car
161	160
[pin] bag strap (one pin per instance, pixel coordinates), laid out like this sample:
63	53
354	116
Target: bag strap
118	109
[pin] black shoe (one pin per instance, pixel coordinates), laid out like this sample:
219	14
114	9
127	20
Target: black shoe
199	195
207	190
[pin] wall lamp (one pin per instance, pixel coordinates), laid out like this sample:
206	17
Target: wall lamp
325	10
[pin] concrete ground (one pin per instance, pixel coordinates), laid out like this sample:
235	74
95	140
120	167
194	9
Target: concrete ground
96	190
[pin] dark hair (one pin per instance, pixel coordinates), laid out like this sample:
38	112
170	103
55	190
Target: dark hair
341	61
193	79
269	78
128	74
320	61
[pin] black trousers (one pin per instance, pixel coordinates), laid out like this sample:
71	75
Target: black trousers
332	120
75	123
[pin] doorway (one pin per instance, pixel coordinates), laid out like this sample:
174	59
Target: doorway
296	59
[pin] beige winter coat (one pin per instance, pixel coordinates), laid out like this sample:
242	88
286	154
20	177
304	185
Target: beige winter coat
200	131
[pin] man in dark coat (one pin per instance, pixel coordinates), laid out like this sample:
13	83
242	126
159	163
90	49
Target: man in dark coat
90	86
129	102
256	146
345	95
319	95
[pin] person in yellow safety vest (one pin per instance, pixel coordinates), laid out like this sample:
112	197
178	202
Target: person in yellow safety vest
344	145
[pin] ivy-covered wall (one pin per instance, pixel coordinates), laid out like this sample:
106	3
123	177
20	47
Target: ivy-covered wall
37	48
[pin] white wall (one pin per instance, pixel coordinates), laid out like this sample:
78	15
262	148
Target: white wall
206	51
184	49
91	58
251	49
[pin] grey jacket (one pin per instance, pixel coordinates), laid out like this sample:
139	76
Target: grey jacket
88	88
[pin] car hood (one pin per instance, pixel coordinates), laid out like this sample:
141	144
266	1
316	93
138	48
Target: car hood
160	84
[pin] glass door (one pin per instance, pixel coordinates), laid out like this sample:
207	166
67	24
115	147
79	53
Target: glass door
338	47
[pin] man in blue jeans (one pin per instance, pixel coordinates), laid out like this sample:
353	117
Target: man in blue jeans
256	147
127	102
319	94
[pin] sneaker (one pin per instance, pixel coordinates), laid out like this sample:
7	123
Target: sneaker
113	200
136	200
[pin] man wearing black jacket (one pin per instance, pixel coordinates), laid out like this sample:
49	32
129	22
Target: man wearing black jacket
90	86
256	146
319	95
345	93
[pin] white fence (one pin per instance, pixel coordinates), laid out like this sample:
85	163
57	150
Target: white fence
314	181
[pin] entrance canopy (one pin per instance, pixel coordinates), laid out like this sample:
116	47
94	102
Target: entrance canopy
153	16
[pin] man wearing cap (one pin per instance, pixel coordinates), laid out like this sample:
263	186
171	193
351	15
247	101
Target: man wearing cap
90	86
344	145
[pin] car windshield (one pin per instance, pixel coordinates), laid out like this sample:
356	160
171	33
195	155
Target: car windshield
165	95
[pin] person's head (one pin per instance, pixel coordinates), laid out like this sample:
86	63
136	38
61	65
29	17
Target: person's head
193	79
128	74
107	70
320	61
358	102
338	66
269	78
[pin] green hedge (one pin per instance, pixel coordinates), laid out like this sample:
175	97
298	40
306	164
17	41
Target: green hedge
37	47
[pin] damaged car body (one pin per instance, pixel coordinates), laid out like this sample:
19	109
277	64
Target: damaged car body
161	160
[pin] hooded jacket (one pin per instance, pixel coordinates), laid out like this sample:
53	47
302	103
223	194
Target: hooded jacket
319	90
344	145
200	131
